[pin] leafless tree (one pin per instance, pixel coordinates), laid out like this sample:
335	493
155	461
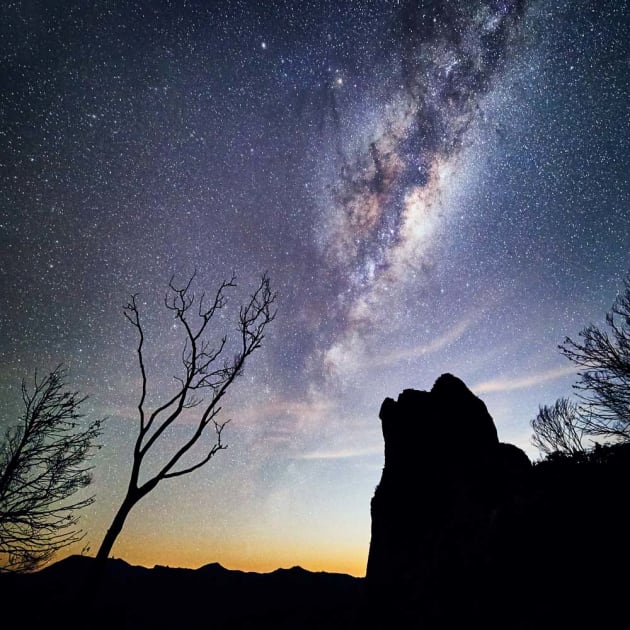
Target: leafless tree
558	427
602	407
43	464
205	370
603	356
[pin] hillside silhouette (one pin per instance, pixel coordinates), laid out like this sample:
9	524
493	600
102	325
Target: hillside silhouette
164	597
466	532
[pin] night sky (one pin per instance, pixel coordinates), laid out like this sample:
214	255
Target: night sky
432	187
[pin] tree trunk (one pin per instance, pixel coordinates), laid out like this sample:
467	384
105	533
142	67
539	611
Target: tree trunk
115	528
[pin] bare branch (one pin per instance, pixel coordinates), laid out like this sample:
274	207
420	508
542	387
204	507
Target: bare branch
604	383
603	388
131	312
217	446
559	427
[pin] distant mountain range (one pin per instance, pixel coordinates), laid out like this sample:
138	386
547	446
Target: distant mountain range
211	597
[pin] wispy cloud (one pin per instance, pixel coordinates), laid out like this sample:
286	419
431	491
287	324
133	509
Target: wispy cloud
507	384
282	408
449	337
352	354
343	453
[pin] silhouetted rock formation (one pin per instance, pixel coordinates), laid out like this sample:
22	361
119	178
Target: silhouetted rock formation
446	478
467	532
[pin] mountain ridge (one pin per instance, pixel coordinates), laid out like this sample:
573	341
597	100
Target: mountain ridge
135	596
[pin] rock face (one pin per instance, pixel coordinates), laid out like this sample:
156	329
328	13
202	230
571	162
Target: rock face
446	483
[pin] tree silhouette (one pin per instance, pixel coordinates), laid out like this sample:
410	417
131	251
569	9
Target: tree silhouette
603	357
42	467
602	408
558	427
205	369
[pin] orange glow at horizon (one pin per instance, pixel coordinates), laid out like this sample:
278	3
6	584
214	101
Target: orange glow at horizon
150	551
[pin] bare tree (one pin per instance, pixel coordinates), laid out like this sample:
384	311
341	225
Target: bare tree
602	408
42	467
603	357
205	370
558	427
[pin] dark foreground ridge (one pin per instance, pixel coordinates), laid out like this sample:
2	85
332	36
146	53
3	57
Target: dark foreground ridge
466	533
210	597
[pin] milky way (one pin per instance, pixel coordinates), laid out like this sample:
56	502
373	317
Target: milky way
431	186
449	57
388	203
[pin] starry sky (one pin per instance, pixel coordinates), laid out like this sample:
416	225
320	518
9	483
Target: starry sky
431	186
